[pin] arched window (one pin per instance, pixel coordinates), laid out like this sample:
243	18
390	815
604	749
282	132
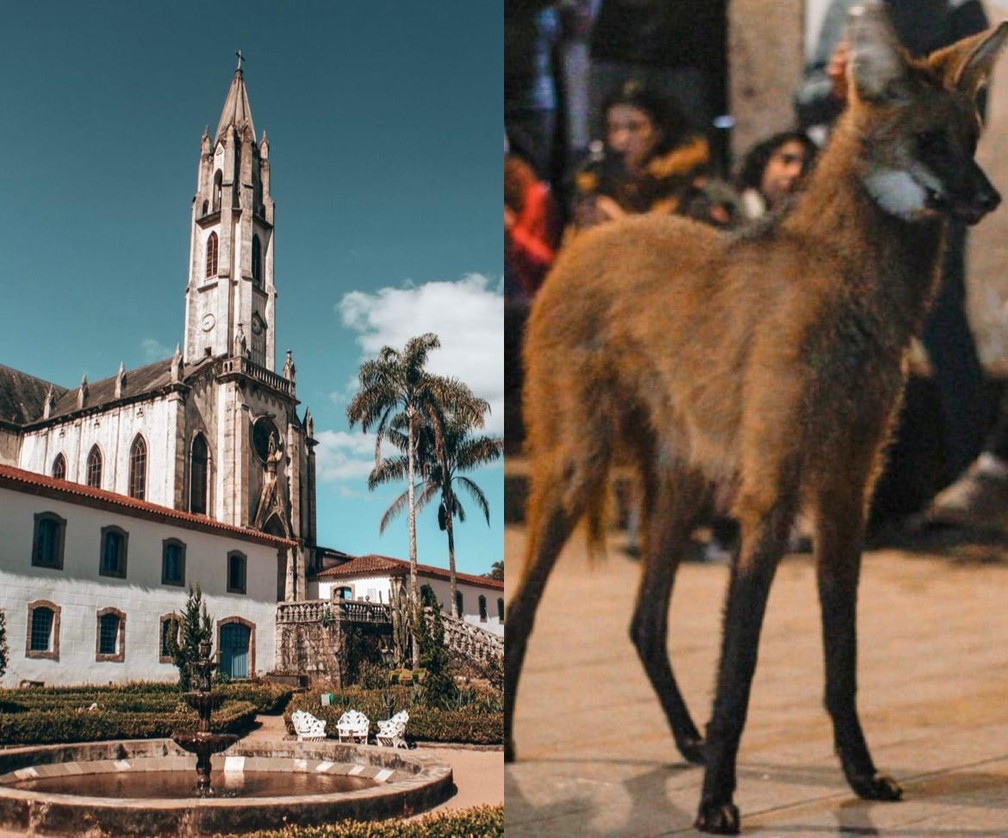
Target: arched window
47	545
482	609
59	467
113	552
256	260
94	467
211	255
198	460
109	644
42	640
204	208
217	181
138	468
237	565
500	609
173	562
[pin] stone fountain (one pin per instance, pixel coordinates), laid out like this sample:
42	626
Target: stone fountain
143	787
203	742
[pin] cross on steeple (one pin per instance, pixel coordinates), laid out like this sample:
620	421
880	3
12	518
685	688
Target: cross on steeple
241	58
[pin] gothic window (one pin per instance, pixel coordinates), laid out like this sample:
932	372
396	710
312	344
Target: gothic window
59	467
236	566
482	609
94	467
256	260
138	468
198	460
111	632
217	181
42	640
204	208
211	255
112	561
500	609
173	562
47	544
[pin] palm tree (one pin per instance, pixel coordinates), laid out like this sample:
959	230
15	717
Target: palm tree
396	391
441	463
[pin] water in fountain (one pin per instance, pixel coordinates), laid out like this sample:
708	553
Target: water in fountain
203	742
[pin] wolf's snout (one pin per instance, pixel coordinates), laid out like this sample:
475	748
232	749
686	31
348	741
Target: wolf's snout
989	200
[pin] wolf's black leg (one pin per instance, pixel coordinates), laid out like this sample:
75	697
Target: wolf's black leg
670	508
838	552
548	532
762	545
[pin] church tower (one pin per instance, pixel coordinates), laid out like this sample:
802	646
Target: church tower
230	295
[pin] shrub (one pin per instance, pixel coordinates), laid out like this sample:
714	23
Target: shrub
196	627
74	724
479	820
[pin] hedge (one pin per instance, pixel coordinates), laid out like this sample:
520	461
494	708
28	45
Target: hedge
43	727
477	822
142	697
470	725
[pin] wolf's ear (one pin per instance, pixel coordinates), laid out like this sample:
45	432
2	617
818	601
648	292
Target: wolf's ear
967	64
878	67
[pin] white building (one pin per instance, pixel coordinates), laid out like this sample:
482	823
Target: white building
90	579
372	578
117	494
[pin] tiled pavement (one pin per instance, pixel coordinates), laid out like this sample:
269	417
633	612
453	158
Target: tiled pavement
595	757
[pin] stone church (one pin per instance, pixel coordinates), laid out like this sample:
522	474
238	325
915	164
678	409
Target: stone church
215	429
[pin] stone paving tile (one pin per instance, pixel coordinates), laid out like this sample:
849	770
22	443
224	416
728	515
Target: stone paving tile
596	758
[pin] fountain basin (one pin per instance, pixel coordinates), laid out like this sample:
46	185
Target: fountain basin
389	783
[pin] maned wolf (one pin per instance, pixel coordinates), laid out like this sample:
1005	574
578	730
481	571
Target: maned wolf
769	362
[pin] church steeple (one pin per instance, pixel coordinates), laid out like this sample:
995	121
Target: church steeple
236	109
230	287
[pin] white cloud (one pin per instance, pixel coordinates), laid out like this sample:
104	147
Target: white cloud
344	456
468	317
154	350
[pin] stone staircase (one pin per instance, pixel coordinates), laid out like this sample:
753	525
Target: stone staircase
473	643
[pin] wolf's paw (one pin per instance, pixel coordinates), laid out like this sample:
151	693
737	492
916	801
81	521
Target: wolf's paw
692	749
509	750
717	818
875	787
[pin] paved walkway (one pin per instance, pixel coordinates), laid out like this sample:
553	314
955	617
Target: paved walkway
595	757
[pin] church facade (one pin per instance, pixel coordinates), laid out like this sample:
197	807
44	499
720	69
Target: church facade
213	430
213	433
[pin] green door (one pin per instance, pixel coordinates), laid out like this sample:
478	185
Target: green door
234	650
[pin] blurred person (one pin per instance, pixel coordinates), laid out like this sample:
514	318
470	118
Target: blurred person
677	48
923	26
531	236
651	161
772	170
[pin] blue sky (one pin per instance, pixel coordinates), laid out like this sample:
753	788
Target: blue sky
385	130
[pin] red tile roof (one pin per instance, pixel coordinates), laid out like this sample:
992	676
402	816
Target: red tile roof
375	565
40	484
